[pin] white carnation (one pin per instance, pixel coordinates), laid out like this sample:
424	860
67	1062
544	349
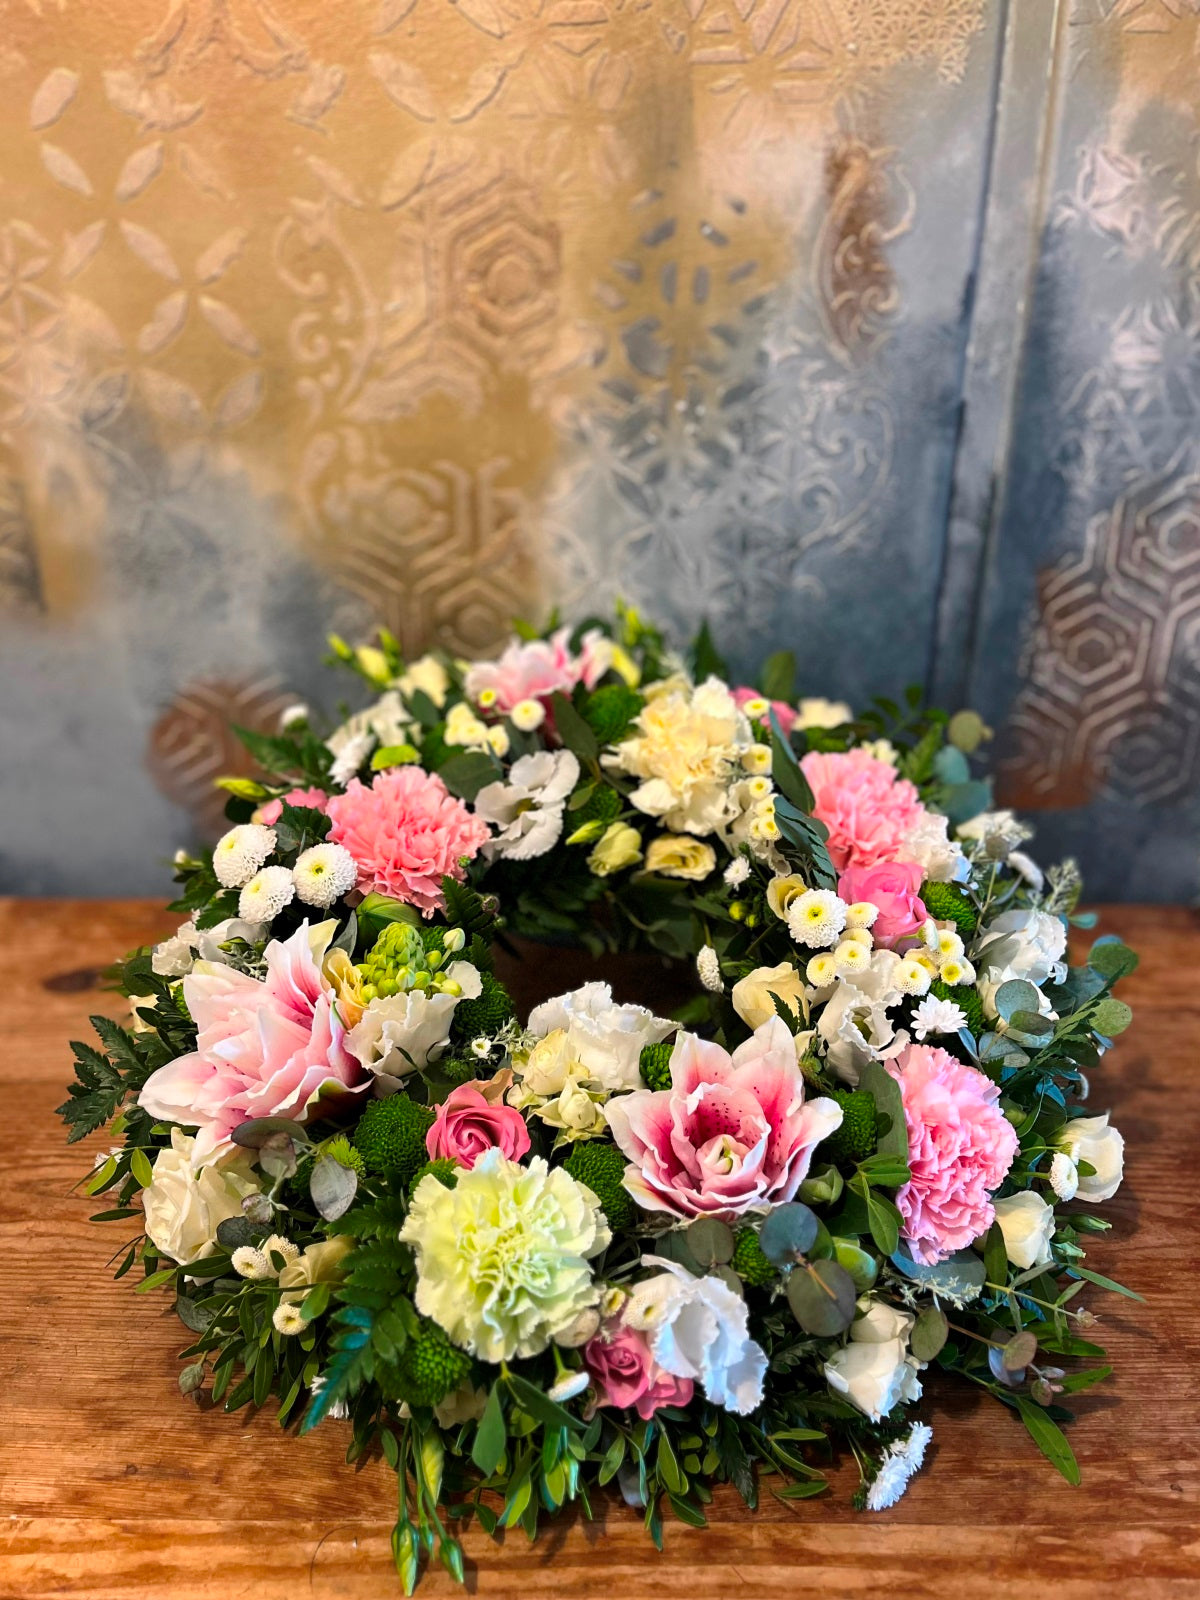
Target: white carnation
241	852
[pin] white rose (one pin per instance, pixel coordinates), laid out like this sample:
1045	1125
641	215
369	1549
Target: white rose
699	1328
545	1070
874	1370
1023	944
1027	1223
604	1038
1091	1139
752	995
185	1205
404	1032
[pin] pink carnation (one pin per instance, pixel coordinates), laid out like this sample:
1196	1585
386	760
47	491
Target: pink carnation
534	669
406	832
270	811
731	1134
960	1147
784	712
265	1048
892	886
868	810
626	1374
467	1125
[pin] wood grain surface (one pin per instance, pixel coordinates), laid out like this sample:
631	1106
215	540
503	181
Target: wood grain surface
115	1488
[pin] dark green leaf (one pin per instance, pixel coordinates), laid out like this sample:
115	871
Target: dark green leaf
466	773
574	732
777	680
491	1435
1048	1437
885	1091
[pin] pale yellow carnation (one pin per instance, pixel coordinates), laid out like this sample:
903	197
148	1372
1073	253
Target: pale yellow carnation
503	1257
688	745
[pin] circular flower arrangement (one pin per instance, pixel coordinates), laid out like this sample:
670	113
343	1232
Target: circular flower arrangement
526	1258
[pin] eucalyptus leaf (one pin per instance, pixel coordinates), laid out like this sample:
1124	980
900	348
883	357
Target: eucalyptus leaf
1016	995
929	1333
787	1233
254	1135
1020	1351
1111	1017
710	1241
332	1188
960	1277
822	1296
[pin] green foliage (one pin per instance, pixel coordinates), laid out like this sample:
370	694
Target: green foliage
428	1366
655	1064
610	710
749	1262
601	1166
442	1168
391	1137
459	1069
854	1139
486	1014
603	804
945	902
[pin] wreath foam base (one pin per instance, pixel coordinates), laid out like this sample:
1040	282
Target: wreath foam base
527	1257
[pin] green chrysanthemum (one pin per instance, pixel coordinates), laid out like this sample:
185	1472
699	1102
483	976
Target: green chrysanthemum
429	1366
485	1015
460	1069
946	903
610	711
602	805
655	1064
855	1139
749	1262
602	1167
391	1137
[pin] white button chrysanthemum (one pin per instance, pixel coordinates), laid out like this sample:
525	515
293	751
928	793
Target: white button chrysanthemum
251	1263
265	896
850	956
756	758
913	977
527	715
816	918
276	1245
324	874
949	944
288	1319
821	970
861	914
1064	1176
503	1257
240	852
937	1016
708	969
956	971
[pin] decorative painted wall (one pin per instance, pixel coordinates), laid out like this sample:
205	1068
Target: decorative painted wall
867	327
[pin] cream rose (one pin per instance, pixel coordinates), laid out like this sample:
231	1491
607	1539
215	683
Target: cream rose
680	856
752	994
1091	1139
874	1371
185	1204
1027	1224
321	1263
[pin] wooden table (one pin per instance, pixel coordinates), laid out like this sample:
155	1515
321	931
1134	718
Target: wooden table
115	1488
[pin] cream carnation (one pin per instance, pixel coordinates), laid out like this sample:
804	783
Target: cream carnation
503	1257
240	852
687	748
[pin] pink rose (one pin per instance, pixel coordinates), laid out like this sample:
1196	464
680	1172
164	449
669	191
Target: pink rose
467	1124
626	1374
960	1147
534	669
731	1134
784	712
867	808
270	811
892	886
406	832
273	1047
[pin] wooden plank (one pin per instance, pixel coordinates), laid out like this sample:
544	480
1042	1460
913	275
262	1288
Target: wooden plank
116	1487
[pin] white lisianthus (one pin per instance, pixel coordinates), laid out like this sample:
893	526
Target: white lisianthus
405	1032
926	843
349	755
699	1328
1027	1223
688	745
854	1022
600	1039
186	1204
999	832
618	847
1091	1139
528	809
874	1371
239	854
503	1257
752	995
